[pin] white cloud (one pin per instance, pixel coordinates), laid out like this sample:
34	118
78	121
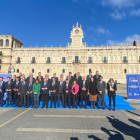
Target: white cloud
120	3
117	15
135	12
99	30
129	40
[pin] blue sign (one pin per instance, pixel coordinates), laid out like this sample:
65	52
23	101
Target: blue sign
5	76
133	86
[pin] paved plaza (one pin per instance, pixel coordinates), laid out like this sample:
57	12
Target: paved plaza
71	124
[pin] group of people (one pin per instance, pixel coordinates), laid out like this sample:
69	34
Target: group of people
28	91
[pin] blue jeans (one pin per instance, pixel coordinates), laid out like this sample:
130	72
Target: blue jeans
36	100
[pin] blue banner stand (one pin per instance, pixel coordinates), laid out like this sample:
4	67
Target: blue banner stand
133	86
5	76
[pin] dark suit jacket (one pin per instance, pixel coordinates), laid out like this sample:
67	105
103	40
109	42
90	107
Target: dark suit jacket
111	93
3	87
103	87
55	87
71	80
59	85
10	86
13	80
86	86
46	91
97	79
15	86
29	88
79	80
28	78
49	81
65	89
23	89
56	79
88	78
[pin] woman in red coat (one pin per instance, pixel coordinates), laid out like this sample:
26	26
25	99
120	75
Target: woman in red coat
75	90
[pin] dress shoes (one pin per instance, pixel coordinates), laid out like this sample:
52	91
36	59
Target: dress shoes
58	106
42	107
103	108
50	106
7	105
85	107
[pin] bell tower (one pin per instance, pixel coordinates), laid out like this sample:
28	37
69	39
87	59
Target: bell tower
77	36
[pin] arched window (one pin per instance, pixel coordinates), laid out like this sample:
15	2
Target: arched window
76	59
7	42
1	42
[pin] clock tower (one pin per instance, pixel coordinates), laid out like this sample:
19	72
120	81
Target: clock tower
77	36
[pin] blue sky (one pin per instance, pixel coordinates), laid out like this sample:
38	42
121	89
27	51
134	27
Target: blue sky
49	22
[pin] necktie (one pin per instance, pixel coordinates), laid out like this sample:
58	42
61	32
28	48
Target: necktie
22	83
8	83
30	84
60	83
53	84
44	84
16	83
67	86
83	84
0	84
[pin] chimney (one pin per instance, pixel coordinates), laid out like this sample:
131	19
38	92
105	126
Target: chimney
135	43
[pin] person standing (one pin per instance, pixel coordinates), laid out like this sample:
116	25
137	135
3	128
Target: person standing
48	79
71	78
2	90
54	89
89	76
45	87
39	76
36	92
22	92
30	95
111	88
92	91
97	77
9	87
101	87
67	93
60	91
83	91
75	90
54	76
16	90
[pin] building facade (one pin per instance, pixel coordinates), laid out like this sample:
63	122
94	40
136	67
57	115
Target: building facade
110	61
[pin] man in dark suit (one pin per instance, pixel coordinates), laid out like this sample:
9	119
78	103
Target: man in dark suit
101	87
78	78
67	93
48	79
39	74
54	89
2	90
89	76
22	92
45	87
54	76
14	78
20	76
84	86
71	78
30	95
60	91
15	90
97	77
30	76
9	87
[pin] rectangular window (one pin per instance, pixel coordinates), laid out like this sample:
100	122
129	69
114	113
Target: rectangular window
0	61
125	71
105	60
17	70
48	70
90	59
89	70
0	53
32	70
124	59
63	60
48	60
18	60
139	58
63	71
0	67
33	59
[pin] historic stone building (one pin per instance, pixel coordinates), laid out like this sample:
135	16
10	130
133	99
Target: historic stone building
110	61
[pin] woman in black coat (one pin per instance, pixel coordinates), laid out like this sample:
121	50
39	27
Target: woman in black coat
111	88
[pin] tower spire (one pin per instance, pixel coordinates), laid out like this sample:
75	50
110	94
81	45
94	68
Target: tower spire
77	24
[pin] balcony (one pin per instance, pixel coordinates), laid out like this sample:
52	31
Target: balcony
48	61
125	61
90	61
63	62
32	61
18	61
105	61
76	62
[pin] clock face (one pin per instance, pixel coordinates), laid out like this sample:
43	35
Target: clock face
76	31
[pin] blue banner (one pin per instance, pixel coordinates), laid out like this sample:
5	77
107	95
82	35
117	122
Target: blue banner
5	76
133	86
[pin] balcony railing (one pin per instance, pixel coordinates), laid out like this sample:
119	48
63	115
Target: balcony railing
18	61
125	61
32	61
105	61
90	61
76	62
48	61
63	62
